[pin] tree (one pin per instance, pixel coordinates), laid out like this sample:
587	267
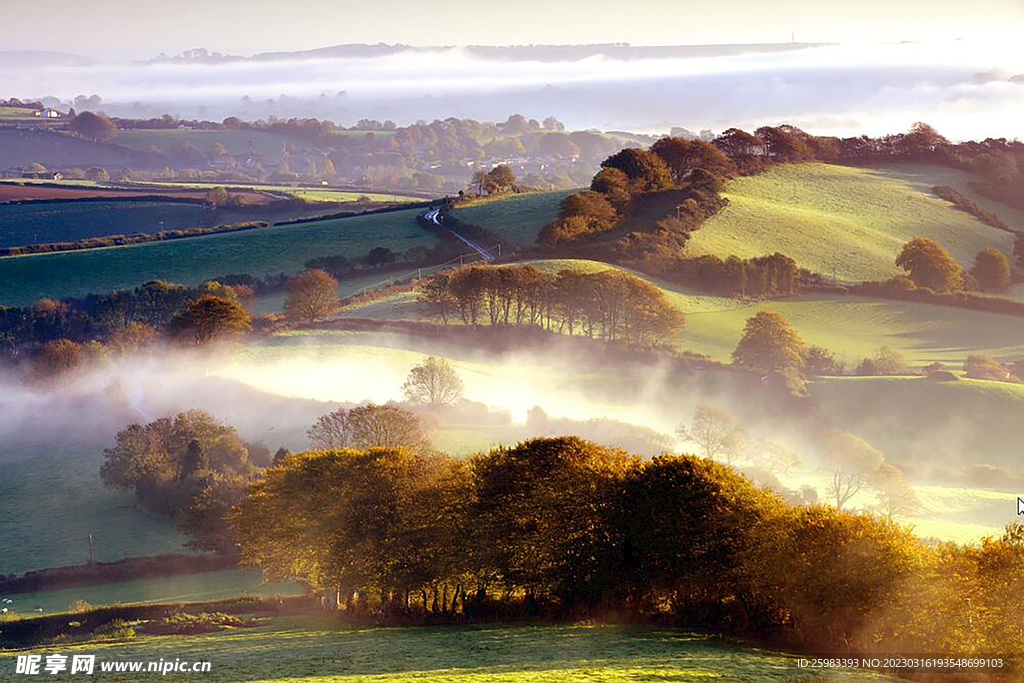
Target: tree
820	361
613	184
683	156
482	183
97	174
387	426
896	497
769	344
58	358
92	126
718	434
983	367
930	265
502	177
854	464
991	269
886	362
379	256
433	382
773	456
332	430
312	296
208	319
645	170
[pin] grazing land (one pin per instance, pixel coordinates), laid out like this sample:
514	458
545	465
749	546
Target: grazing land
842	220
516	219
45	222
321	649
24	279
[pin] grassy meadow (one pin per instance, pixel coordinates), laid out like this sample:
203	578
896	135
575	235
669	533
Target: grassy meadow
23	224
516	219
843	220
24	279
218	585
321	649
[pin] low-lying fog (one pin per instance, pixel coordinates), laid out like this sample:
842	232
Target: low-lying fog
272	392
966	90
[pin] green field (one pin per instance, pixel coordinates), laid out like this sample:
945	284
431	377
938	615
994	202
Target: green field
217	585
846	221
24	279
310	194
51	499
516	219
321	649
42	222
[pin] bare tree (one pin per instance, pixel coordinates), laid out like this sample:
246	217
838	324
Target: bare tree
773	456
896	497
854	463
433	382
332	430
717	433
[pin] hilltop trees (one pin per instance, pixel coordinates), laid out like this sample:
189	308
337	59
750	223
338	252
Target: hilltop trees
610	305
645	171
991	270
434	382
769	344
208	319
312	296
92	126
929	265
683	156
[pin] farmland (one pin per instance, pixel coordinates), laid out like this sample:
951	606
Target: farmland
26	147
42	222
259	252
841	220
264	144
516	219
321	649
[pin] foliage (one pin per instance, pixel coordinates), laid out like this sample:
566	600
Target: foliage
369	426
769	344
312	296
991	270
92	126
209	318
886	362
929	265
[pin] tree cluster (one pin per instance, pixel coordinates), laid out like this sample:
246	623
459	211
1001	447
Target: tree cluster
610	305
563	527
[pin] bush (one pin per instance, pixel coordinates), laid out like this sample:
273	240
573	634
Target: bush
983	367
118	629
184	623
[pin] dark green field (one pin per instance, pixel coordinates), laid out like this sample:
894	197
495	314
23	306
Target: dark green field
24	279
42	222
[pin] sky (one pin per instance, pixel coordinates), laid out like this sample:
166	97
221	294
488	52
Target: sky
139	29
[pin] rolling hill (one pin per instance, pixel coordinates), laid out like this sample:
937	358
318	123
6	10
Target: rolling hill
846	221
516	219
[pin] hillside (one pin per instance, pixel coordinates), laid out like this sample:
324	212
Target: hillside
846	221
851	327
516	219
26	147
24	279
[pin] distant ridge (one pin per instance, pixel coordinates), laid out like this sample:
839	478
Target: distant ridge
23	58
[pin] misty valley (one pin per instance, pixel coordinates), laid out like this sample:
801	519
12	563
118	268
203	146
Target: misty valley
576	360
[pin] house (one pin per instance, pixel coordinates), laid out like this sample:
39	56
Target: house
47	113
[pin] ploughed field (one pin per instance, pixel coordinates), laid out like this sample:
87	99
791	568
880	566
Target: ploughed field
321	649
259	252
45	222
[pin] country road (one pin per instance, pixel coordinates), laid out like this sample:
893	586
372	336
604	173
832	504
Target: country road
434	216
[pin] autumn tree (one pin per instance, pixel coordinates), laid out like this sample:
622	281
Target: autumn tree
991	270
683	156
209	318
769	344
886	361
92	126
332	430
312	296
434	382
502	177
645	170
896	497
929	265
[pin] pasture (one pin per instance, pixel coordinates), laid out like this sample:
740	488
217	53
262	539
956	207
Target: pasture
321	649
24	279
43	222
51	149
218	585
516	219
309	194
846	221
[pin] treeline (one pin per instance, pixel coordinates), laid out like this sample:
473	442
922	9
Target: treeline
561	527
610	305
